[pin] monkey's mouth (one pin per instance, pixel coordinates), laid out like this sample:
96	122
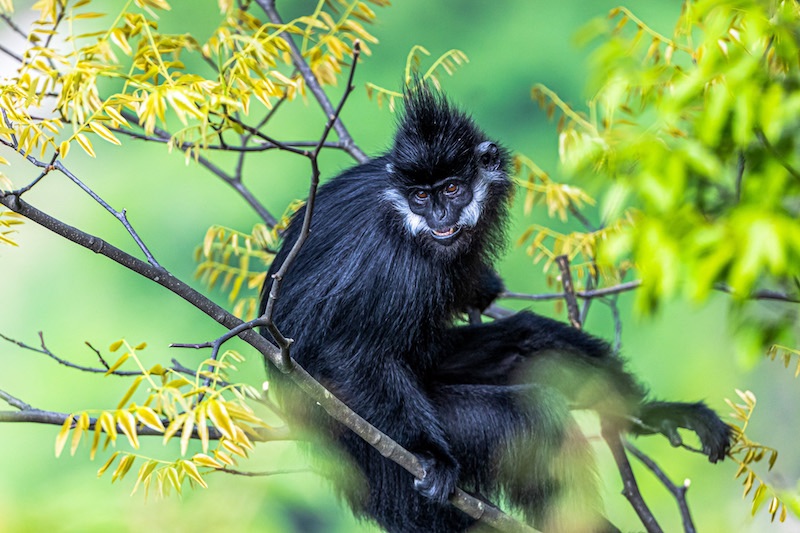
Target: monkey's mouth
446	234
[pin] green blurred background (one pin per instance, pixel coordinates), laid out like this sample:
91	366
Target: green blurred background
74	296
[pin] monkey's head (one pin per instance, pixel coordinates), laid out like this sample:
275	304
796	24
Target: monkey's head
449	182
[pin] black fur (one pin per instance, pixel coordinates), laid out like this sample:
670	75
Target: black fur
371	305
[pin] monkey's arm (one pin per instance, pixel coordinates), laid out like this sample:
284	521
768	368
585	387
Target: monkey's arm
488	288
393	401
530	348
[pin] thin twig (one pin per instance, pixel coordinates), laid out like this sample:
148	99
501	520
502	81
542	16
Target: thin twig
262	147
11	24
14	402
739	176
611	302
46	351
596	293
122	216
760	294
771	149
46	170
239	187
277	279
265	473
11	54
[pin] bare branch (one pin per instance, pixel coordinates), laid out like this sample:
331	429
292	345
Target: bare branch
266	473
237	185
262	147
11	24
630	489
10	53
45	351
596	293
761	294
569	291
678	492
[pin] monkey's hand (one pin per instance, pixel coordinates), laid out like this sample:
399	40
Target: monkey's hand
439	479
666	417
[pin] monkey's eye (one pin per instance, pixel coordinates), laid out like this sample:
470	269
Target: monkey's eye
421	195
451	188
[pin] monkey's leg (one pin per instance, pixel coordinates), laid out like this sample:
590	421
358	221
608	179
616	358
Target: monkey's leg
530	348
521	441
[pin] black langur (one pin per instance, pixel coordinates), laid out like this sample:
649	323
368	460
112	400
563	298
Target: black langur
400	247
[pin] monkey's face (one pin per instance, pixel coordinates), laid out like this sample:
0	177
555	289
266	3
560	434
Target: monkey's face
444	212
439	208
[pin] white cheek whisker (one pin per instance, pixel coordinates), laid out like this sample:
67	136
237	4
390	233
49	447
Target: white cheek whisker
414	223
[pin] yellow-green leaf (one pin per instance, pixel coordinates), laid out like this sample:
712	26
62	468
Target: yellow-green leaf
131	391
124	465
80	426
220	418
118	363
149	418
61	438
106	421
173	478
144	473
86	144
116	345
191	470
127	422
107	464
186	432
205	460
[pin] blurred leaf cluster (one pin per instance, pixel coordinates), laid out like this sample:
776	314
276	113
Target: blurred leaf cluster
694	135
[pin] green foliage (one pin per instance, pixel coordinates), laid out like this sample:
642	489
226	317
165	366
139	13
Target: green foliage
545	243
696	132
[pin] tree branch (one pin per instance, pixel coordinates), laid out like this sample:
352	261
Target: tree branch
630	489
274	291
29	414
237	184
569	291
678	492
595	293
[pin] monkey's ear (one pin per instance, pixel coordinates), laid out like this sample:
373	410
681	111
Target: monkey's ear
488	155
